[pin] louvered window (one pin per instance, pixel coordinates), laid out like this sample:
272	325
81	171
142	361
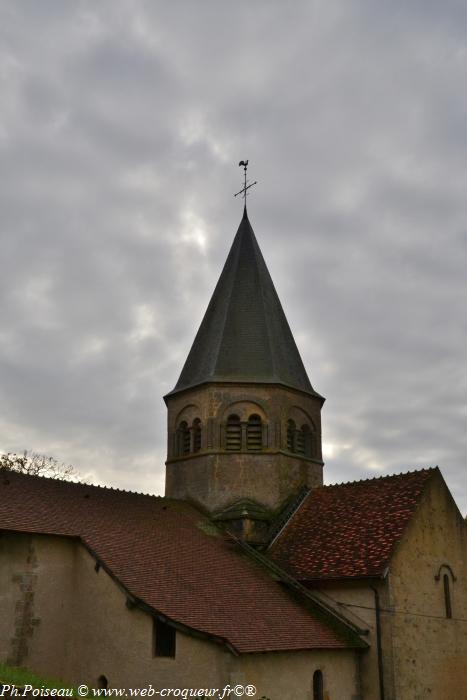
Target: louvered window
307	440
299	442
290	435
233	434
254	433
183	436
196	435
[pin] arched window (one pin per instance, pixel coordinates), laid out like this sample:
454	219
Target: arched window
447	596
318	687
447	578
307	440
299	442
290	435
254	433
233	434
196	435
102	682
183	438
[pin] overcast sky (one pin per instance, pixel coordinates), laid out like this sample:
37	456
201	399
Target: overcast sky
121	127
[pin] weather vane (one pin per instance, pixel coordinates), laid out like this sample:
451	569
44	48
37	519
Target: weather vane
245	185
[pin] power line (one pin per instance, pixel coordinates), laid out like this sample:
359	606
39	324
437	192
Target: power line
402	612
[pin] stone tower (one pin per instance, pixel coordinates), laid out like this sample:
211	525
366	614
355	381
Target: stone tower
244	425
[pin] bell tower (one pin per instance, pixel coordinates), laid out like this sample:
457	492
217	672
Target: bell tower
244	422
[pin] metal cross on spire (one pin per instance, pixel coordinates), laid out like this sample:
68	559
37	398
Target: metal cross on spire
246	186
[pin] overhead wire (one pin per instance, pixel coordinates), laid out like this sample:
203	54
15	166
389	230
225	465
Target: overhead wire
394	611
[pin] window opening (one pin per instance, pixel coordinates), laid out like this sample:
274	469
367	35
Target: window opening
164	639
183	438
233	434
290	435
196	435
447	596
299	442
318	693
307	440
254	433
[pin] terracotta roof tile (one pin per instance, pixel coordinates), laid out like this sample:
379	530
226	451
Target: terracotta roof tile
349	530
169	556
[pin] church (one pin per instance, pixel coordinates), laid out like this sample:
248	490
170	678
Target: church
249	577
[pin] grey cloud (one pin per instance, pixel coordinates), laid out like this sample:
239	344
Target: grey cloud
120	128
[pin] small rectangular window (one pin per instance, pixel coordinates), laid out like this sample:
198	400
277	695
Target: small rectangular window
164	639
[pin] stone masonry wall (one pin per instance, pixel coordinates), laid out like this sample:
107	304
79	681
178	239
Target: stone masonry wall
430	651
82	629
215	477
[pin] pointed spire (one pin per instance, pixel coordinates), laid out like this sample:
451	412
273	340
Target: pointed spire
244	335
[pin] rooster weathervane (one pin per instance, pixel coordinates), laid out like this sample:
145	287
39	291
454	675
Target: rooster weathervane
246	186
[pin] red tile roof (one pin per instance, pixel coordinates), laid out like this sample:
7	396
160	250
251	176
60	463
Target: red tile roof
349	530
169	556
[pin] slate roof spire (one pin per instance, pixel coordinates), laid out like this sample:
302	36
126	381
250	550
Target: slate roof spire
244	335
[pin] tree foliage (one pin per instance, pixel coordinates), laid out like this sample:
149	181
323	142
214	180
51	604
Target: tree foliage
37	465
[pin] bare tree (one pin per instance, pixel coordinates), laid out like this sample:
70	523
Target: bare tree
37	465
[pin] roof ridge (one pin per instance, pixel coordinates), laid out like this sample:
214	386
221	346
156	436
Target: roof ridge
82	484
292	582
229	301
377	478
260	260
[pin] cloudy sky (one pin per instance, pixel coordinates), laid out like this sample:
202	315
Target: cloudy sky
121	126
